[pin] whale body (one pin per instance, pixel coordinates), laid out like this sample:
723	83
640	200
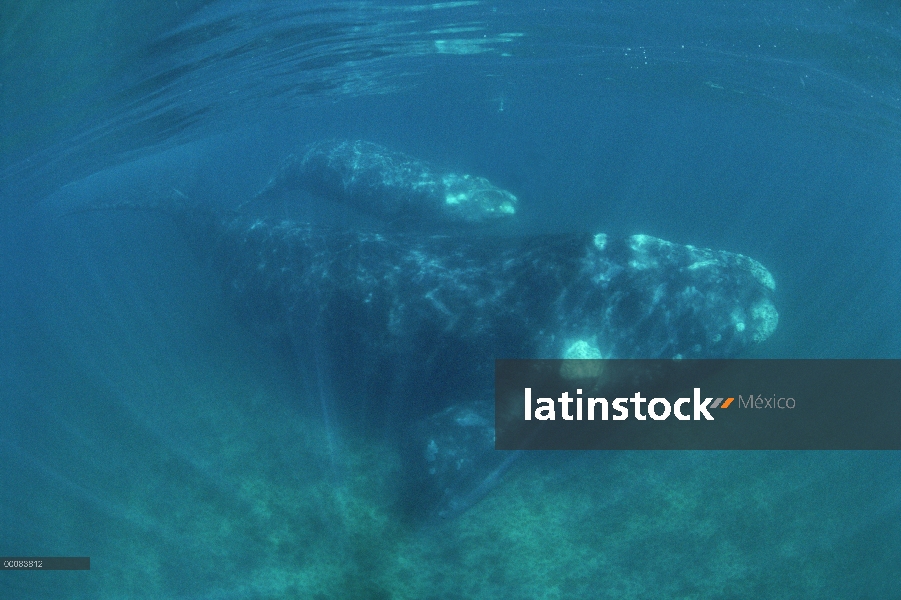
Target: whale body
574	295
389	185
414	323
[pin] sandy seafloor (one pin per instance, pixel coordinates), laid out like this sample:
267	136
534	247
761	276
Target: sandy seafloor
145	427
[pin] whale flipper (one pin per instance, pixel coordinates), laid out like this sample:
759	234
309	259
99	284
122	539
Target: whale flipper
452	459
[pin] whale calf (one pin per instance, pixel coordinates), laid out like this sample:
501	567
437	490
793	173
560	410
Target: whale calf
389	185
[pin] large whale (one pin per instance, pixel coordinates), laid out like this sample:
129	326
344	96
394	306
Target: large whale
414	323
438	298
410	324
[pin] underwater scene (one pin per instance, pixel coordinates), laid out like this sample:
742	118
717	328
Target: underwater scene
258	259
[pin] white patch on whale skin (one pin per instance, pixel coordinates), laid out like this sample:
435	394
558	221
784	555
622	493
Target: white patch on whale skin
767	318
475	198
581	349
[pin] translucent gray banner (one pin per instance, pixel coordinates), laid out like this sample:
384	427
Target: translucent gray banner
698	404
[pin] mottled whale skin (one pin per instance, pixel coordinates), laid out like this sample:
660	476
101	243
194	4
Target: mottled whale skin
573	295
389	185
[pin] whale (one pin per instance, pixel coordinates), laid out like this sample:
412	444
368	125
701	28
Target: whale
389	185
576	295
410	323
413	323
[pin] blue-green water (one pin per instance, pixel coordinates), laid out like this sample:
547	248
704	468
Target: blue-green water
144	427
